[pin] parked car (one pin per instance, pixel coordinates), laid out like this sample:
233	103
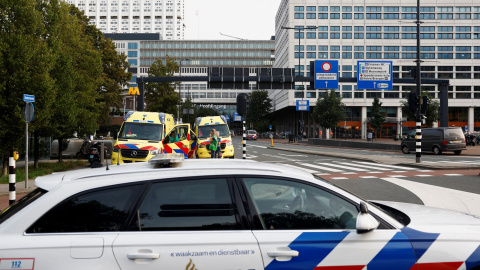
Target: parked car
436	140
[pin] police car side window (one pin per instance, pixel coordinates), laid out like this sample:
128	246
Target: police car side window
284	205
95	211
189	205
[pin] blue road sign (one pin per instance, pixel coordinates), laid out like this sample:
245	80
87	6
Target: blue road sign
28	98
237	117
227	117
326	74
374	75
303	105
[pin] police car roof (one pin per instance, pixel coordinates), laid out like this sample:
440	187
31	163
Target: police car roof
129	173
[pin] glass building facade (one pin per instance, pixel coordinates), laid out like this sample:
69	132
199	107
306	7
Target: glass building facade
450	49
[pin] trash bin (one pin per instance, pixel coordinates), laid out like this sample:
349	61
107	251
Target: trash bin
290	138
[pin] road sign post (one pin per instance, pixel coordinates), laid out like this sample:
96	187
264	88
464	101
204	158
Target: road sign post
28	114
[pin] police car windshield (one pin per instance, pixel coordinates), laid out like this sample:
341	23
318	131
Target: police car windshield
141	131
204	131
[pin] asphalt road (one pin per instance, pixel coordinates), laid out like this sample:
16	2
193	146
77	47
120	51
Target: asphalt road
429	183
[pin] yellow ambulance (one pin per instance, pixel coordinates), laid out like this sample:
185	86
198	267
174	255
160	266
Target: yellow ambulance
146	134
203	126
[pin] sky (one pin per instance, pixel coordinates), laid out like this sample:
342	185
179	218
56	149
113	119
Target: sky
245	19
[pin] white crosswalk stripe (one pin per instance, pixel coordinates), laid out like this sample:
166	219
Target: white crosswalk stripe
320	167
366	166
348	167
385	165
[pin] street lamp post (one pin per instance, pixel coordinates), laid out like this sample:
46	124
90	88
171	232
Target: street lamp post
180	92
298	75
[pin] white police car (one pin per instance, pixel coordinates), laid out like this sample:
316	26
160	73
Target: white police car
225	214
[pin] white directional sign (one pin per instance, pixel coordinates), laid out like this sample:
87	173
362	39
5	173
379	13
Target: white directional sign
374	75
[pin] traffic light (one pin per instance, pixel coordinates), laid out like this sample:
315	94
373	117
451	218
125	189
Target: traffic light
424	105
242	100
412	101
413	72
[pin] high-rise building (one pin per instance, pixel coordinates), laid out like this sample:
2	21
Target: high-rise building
373	30
136	16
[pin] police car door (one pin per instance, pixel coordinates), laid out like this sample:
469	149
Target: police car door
189	224
182	146
305	227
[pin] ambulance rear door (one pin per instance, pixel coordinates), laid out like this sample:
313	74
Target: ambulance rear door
178	143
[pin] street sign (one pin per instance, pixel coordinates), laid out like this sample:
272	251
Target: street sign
466	128
326	74
303	105
133	91
28	112
28	98
237	117
374	75
227	117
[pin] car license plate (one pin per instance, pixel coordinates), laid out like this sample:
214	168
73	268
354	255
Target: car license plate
456	141
91	156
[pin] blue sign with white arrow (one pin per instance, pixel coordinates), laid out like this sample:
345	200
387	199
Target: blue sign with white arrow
374	75
326	74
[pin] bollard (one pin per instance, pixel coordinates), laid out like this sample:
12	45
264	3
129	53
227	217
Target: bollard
244	141
11	178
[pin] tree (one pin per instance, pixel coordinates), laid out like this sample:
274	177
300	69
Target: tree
77	71
114	71
377	117
161	96
329	110
25	63
260	108
433	110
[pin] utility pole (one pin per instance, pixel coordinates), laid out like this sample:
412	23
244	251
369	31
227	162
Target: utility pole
418	157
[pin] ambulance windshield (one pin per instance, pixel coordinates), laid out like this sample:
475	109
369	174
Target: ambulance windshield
204	131
141	131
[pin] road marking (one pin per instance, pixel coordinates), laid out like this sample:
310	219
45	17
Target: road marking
423	175
320	167
368	176
399	171
349	173
292	155
259	146
385	165
441	197
343	167
424	170
453	174
397	176
322	174
365	166
301	168
339	178
374	172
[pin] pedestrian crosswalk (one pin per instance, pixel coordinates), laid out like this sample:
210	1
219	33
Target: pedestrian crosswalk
352	167
339	170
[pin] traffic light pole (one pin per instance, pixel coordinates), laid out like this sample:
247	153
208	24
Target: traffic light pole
418	158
